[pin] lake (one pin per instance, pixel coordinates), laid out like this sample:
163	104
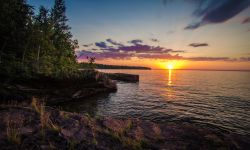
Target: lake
217	98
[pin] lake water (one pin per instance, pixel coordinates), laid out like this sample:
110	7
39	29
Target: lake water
220	98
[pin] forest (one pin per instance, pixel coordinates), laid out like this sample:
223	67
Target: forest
35	43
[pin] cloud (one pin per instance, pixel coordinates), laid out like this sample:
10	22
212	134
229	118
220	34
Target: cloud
245	59
193	26
214	11
246	20
81	55
198	44
160	56
114	42
87	45
210	59
145	49
154	40
135	42
139	50
101	44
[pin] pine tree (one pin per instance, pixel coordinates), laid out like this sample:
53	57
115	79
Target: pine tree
62	40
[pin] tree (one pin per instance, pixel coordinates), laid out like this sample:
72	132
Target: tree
15	17
35	44
62	39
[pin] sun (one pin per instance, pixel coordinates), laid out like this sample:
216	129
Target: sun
170	66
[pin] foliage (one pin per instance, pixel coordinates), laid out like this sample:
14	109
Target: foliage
32	44
91	61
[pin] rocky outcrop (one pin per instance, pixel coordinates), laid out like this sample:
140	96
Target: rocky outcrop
123	77
87	83
33	128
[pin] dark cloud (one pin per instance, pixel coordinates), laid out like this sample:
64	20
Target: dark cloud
135	42
101	44
246	20
87	45
198	44
154	40
114	42
214	11
192	26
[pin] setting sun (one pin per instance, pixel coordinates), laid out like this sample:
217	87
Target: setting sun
170	66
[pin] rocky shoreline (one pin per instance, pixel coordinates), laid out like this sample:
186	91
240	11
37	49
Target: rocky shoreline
29	124
53	90
60	90
40	127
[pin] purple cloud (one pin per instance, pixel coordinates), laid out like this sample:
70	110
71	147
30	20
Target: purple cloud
101	44
102	55
214	11
114	42
120	51
135	42
198	44
87	45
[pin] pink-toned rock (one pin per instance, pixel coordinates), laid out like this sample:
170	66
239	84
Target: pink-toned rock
116	125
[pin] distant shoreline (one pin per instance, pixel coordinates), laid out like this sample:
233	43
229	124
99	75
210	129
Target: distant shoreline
84	65
205	70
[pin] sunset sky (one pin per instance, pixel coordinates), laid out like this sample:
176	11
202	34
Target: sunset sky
190	34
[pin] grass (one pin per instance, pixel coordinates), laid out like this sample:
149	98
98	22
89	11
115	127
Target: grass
127	142
13	130
45	119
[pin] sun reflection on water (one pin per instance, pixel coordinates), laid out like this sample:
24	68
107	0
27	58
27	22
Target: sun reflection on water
169	77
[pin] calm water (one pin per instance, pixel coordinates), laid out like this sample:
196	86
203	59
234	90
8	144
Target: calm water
220	98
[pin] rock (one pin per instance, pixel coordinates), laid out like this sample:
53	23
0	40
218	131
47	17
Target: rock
123	77
117	125
77	131
86	83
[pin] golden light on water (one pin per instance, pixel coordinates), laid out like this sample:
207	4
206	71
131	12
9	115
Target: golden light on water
169	77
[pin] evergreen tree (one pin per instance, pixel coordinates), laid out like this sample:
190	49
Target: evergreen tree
35	44
62	39
15	17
